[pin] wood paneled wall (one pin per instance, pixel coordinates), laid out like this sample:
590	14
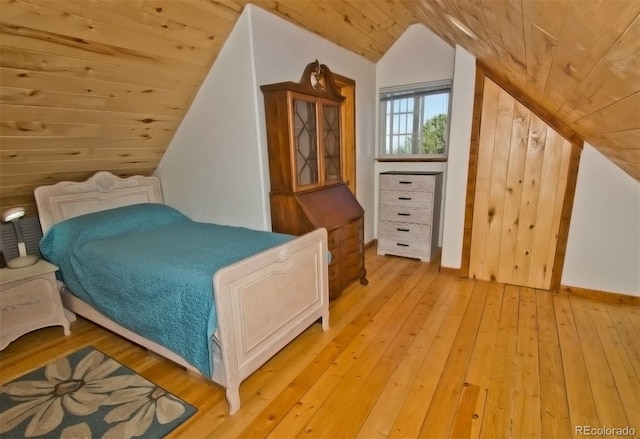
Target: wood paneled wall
103	84
521	179
505	207
91	85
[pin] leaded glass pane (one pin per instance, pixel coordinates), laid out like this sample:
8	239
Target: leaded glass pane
331	129
305	132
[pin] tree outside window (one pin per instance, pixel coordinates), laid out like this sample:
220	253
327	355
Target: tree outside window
434	135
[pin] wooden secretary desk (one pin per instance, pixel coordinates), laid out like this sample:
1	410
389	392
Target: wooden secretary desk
305	164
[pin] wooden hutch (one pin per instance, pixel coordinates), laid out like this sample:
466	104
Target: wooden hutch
305	163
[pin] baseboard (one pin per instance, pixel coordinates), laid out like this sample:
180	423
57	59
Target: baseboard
603	296
370	243
450	271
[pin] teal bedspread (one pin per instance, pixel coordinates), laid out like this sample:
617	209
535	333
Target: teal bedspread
150	268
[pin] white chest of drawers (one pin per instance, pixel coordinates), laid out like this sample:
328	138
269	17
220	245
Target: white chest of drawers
409	214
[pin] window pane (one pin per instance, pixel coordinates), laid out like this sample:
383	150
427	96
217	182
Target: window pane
415	122
434	128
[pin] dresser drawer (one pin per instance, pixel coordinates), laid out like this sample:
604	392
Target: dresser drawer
407	182
404	231
411	199
408	248
406	214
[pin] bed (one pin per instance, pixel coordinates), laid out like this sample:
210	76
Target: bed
259	302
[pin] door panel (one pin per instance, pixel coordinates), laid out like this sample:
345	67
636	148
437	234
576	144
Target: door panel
347	89
513	194
520	184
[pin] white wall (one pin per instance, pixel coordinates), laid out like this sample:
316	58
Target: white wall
418	56
458	163
603	250
209	169
219	154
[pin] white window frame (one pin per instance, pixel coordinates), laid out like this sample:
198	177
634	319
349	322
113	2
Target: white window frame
398	92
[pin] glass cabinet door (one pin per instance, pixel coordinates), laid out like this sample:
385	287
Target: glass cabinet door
305	133
331	143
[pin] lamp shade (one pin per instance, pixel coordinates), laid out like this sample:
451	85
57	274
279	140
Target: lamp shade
12	214
24	260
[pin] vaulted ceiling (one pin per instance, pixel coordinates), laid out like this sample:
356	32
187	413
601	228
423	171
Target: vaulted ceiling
103	84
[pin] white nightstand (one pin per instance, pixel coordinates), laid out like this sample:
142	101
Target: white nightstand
29	299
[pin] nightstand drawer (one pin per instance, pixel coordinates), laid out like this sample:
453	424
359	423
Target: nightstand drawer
29	300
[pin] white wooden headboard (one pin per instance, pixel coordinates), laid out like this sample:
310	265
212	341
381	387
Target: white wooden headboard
102	191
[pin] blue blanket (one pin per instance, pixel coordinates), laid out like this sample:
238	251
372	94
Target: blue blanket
150	268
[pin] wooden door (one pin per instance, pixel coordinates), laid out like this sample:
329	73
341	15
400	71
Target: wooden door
347	88
521	177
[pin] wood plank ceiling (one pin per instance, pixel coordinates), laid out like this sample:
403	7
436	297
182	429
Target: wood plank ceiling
103	84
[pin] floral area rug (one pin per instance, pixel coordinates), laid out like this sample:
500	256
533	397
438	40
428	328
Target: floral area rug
88	395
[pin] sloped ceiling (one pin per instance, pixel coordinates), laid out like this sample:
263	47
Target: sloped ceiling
89	84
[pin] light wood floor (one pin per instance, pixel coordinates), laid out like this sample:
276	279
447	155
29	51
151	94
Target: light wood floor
413	354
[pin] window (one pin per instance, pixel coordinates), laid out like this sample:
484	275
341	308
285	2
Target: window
414	120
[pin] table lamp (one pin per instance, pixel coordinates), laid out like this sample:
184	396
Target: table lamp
13	216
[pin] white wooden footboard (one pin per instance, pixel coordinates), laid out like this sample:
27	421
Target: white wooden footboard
265	301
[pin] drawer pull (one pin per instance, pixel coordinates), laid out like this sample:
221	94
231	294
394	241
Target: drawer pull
402	230
405	182
404	214
404	198
402	245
